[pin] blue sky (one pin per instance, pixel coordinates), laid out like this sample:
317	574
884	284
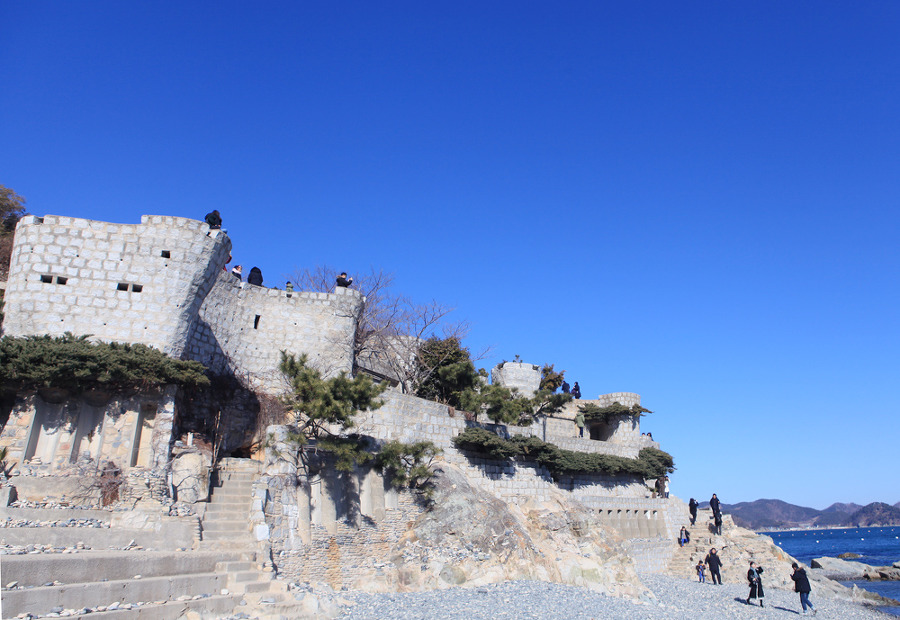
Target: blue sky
692	201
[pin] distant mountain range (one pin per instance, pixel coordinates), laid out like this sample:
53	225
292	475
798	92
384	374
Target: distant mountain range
771	514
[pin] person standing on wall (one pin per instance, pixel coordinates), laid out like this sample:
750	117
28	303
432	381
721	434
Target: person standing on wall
579	422
717	513
801	586
255	277
343	281
692	506
214	219
576	391
237	272
755	579
564	387
714	563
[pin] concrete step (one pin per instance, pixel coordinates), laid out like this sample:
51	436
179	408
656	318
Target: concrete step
226	508
94	566
234	566
235	537
40	600
217	606
241	525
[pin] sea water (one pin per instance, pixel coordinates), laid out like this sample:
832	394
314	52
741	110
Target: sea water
876	546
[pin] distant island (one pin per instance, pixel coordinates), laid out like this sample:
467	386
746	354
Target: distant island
775	514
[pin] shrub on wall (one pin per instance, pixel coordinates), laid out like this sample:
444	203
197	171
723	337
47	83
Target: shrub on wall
318	405
75	364
596	413
651	463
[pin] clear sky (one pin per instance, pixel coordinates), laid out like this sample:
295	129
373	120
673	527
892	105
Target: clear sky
695	201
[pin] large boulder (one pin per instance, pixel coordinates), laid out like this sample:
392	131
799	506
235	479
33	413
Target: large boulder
190	477
841	570
471	538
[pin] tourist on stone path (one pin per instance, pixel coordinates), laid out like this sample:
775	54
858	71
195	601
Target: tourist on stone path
717	510
683	537
715	563
692	506
801	585
701	572
717	522
255	277
576	391
343	281
237	273
666	487
214	220
289	288
579	422
754	577
565	387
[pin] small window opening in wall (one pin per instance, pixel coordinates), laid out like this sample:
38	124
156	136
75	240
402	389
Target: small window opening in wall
47	279
256	322
122	286
137	288
166	254
61	280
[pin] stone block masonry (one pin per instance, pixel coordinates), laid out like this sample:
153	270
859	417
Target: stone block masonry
118	282
162	283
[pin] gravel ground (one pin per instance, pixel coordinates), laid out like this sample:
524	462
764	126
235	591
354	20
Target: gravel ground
677	599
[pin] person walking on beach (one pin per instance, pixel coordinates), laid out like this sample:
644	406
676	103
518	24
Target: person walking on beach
714	563
701	572
755	579
692	505
801	586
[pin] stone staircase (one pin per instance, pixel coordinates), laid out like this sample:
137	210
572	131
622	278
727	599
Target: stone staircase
69	571
684	560
226	525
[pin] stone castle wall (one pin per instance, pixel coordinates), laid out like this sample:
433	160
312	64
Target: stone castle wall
162	283
524	377
118	282
243	329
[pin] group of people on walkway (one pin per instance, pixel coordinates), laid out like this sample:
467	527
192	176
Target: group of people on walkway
713	563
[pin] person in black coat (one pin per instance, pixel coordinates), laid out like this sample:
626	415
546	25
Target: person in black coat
692	506
343	281
714	563
576	391
255	277
754	577
714	505
801	586
214	219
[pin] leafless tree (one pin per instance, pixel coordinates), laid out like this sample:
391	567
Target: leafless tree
392	326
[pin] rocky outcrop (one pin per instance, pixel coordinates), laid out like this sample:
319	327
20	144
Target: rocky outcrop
471	538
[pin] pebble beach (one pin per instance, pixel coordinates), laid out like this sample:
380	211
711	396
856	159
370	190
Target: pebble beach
676	599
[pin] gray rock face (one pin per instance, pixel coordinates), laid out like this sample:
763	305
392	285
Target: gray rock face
841	570
471	538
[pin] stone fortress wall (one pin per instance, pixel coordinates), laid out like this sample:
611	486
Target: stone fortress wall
162	283
118	282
